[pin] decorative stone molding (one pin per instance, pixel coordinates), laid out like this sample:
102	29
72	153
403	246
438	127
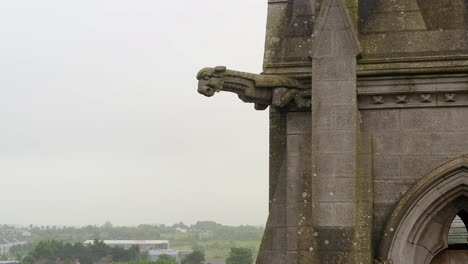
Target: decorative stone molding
378	99
413	92
426	98
450	97
401	99
262	90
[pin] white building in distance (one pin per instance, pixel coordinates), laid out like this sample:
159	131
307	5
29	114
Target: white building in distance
144	245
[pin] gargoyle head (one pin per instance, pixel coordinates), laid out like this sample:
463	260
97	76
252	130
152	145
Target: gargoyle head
211	80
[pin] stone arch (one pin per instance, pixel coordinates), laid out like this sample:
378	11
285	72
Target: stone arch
418	227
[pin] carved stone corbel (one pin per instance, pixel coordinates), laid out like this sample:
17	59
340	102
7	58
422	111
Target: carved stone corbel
262	90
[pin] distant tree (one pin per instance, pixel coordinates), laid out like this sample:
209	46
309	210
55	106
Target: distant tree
28	260
107	225
196	257
239	255
180	225
198	247
205	226
166	259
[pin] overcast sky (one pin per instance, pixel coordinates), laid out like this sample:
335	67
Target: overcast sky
100	118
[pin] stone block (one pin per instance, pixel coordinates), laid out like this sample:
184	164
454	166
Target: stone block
323	119
365	166
299	215
335	239
398	21
381	121
334	19
306	238
365	143
335	257
298	168
333	69
337	141
387	144
334	93
277	215
335	189
279	194
299	123
279	238
419	143
452	119
415	167
342	44
344	117
449	143
401	5
386	167
324	47
420	41
293	238
382	213
345	214
292	257
298	192
298	145
335	215
276	257
420	119
335	165
334	44
389	191
306	257
324	215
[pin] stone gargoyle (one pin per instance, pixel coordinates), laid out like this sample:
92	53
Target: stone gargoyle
262	90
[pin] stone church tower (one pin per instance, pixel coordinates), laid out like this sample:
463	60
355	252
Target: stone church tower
368	103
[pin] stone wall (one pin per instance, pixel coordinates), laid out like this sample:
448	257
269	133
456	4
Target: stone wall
407	144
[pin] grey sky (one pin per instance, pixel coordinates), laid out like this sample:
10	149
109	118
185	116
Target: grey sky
100	119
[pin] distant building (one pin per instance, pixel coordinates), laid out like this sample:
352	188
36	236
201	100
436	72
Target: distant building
144	245
7	242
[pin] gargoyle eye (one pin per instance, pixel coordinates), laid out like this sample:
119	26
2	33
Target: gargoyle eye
206	78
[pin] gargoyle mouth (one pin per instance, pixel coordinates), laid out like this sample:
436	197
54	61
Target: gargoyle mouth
206	90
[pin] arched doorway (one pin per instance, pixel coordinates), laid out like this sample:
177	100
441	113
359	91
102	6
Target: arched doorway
418	229
457	251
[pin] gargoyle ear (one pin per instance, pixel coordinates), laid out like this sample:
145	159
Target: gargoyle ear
220	69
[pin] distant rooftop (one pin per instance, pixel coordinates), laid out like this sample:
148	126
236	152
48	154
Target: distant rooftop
130	242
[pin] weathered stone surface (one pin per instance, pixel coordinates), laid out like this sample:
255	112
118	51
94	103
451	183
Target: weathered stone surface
335	189
389	191
387	167
299	123
335	238
387	144
415	167
335	165
336	214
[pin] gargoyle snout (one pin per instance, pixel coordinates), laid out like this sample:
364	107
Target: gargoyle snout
206	90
